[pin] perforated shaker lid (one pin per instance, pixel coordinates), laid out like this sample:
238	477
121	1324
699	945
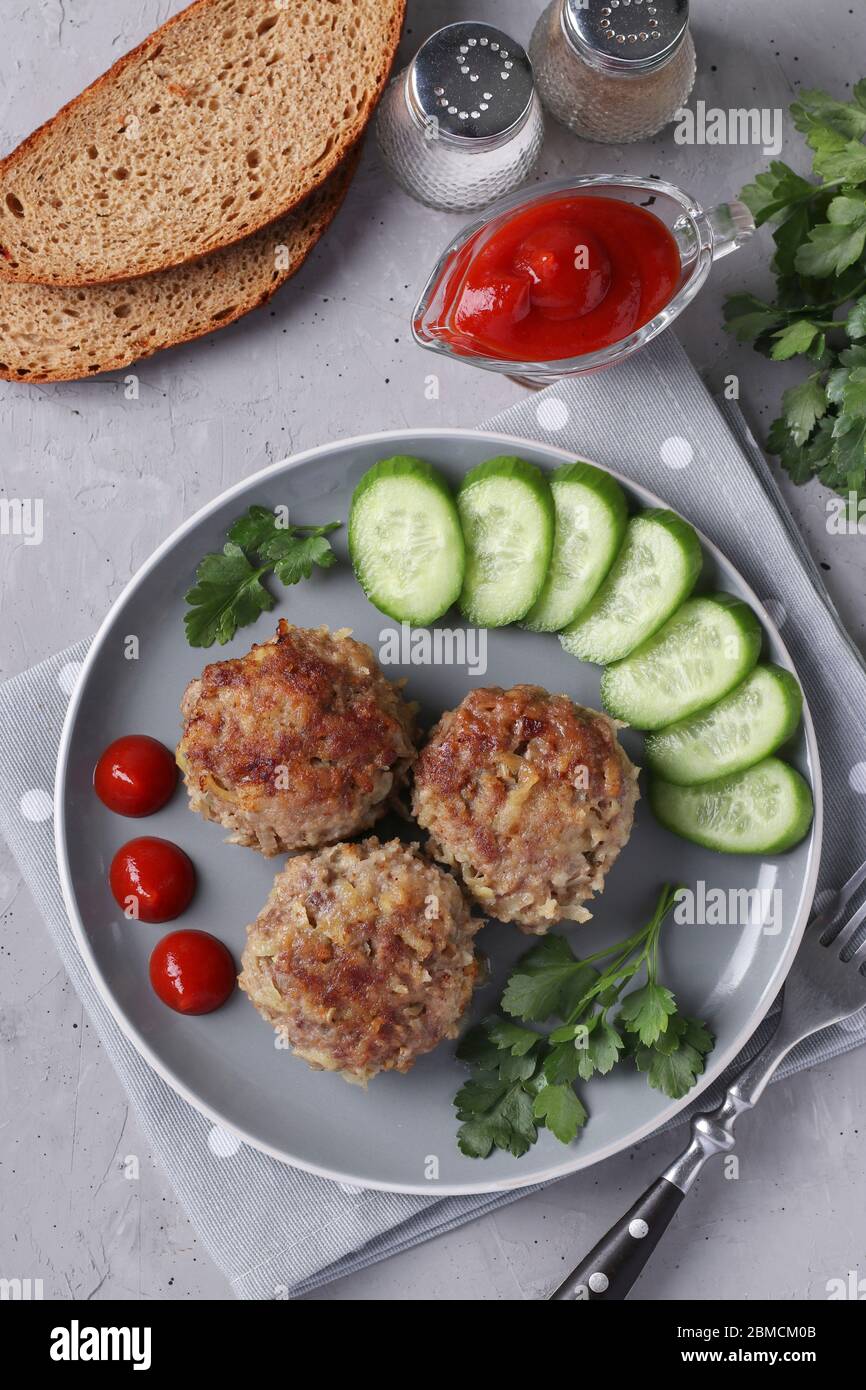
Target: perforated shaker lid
473	79
626	35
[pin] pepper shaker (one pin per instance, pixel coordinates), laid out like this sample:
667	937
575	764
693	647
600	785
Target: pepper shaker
614	70
462	125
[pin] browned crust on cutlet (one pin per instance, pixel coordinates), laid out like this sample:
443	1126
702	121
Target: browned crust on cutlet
553	735
339	734
302	742
363	955
529	797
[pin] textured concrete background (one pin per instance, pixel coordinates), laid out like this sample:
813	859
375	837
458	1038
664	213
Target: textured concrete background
332	357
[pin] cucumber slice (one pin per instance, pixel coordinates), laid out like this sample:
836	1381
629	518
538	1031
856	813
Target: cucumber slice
702	652
763	810
590	523
506	510
747	725
655	570
405	540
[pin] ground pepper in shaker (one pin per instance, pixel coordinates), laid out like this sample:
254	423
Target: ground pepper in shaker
614	70
462	125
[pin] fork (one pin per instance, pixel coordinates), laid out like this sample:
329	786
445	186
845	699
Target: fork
826	984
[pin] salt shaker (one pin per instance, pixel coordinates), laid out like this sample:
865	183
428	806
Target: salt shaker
462	125
614	70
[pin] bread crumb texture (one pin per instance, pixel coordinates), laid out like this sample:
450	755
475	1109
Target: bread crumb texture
223	120
64	333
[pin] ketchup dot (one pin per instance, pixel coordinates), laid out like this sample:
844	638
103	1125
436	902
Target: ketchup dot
135	776
569	268
152	880
192	972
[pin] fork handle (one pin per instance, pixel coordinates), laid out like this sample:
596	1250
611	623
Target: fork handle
613	1265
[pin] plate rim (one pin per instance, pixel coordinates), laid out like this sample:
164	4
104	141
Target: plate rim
571	1164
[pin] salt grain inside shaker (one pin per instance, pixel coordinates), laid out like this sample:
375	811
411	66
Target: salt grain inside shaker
614	70
462	125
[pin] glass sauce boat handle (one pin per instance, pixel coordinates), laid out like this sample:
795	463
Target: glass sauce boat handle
731	224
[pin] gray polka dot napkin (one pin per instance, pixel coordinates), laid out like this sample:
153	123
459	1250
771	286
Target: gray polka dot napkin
276	1231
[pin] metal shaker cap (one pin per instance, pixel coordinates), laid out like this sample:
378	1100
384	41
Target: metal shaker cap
473	80
625	36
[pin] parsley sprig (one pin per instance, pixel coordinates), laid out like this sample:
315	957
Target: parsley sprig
229	591
819	311
524	1079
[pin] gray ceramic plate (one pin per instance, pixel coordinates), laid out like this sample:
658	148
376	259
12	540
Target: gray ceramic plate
226	1063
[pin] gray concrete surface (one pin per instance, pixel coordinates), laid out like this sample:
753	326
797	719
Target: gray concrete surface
332	357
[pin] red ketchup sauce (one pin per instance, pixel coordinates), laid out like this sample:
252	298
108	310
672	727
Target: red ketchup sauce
153	880
135	776
192	972
561	278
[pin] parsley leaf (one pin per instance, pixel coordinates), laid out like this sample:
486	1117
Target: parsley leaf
255	528
561	1110
229	592
601	1053
796	338
510	1036
546	979
747	317
849	454
788	236
819	311
697	1035
853	397
803	406
675	1073
814	107
476	1048
837	161
495	1115
800	460
499	1045
774	191
299	556
525	1078
562	1063
855	324
646	1011
830	249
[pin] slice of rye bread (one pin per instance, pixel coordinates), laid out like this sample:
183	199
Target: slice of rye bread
63	333
224	119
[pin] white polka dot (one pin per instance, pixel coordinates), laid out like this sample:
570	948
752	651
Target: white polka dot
638	1228
677	452
68	675
598	1282
857	778
552	414
36	804
222	1143
776	610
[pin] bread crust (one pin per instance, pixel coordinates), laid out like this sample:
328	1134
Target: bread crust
301	230
10	270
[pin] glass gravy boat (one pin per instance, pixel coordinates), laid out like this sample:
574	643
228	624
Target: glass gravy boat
702	236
